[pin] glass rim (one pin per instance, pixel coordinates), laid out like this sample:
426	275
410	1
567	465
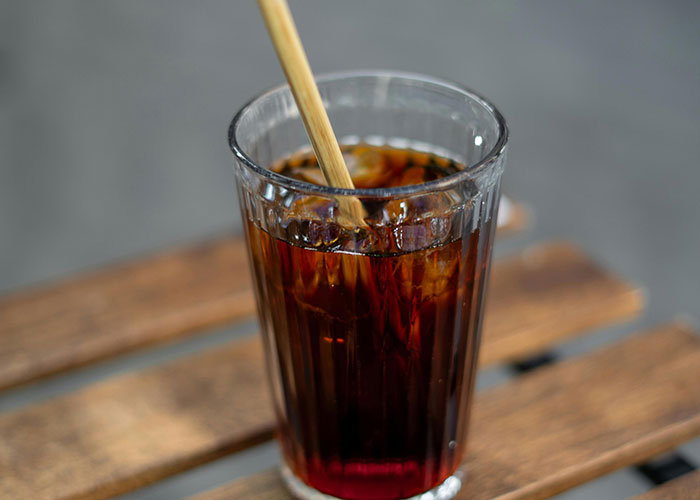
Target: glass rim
470	173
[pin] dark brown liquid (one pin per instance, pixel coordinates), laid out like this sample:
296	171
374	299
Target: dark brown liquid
376	353
374	167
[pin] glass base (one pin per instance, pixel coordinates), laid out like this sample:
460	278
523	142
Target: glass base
443	491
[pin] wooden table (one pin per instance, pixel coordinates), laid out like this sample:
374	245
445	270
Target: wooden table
550	429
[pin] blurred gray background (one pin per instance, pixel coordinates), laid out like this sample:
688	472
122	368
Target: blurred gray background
113	119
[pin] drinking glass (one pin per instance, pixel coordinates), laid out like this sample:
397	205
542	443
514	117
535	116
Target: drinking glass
371	330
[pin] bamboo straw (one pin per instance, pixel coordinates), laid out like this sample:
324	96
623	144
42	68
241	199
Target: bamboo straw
295	64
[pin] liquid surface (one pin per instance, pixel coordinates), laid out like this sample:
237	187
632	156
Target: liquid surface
373	167
371	356
393	226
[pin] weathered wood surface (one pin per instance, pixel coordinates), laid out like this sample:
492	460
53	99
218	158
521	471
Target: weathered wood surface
569	423
131	430
122	308
686	487
532	437
545	295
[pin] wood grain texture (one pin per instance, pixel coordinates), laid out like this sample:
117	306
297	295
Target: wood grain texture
686	487
121	308
548	431
548	293
545	295
134	429
568	423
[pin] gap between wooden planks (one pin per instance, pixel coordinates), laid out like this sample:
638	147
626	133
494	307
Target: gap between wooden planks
686	487
566	424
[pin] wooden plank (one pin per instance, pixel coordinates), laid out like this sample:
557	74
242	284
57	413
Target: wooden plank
569	423
545	295
122	308
686	487
548	293
533	437
128	431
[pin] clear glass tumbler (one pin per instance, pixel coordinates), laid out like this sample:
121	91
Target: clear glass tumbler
371	332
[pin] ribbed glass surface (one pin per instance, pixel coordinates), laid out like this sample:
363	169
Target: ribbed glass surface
372	333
